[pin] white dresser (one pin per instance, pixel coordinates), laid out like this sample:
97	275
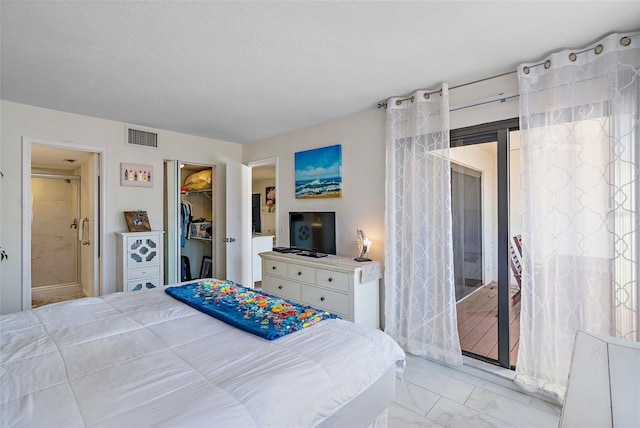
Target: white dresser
139	260
336	284
259	244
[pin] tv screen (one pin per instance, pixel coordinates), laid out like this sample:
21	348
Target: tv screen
256	207
314	232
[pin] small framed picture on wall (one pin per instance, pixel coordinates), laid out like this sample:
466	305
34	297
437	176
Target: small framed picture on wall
270	198
136	175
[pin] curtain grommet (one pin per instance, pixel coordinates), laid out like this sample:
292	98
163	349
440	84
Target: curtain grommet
573	57
547	64
625	41
426	95
526	70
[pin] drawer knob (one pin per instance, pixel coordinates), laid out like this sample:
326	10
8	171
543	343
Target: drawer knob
322	299
273	267
280	287
330	279
299	273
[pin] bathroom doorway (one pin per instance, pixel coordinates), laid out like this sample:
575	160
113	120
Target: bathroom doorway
62	212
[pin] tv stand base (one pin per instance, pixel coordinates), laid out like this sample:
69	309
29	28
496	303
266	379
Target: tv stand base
312	254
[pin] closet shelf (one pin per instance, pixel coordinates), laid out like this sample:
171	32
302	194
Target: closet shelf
201	239
205	192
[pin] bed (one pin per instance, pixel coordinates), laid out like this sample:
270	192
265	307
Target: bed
146	359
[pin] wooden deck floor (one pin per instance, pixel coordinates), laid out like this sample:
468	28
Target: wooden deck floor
478	323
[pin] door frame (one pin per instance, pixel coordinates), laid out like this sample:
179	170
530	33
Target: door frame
499	132
265	162
100	253
171	206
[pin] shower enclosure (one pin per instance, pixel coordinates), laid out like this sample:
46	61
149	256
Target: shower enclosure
57	234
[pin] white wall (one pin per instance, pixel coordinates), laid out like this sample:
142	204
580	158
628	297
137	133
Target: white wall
485	161
362	204
20	120
362	136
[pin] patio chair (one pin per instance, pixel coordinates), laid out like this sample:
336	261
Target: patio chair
515	256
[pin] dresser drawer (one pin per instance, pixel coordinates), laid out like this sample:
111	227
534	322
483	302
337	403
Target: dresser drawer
302	273
325	299
281	287
143	284
331	279
274	267
143	272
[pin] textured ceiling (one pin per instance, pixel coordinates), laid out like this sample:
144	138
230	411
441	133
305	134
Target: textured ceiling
242	71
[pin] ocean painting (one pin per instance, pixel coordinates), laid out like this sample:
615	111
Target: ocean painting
319	173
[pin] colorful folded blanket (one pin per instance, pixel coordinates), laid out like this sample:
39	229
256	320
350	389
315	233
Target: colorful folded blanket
256	312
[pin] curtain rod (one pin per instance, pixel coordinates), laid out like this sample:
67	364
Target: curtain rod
624	41
495	76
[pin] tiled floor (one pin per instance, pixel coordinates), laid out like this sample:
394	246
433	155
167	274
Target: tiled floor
433	395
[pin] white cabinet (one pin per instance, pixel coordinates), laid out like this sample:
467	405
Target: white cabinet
259	244
139	260
337	284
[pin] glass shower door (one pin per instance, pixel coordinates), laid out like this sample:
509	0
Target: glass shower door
55	257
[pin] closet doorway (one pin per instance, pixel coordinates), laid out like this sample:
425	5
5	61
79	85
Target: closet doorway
189	221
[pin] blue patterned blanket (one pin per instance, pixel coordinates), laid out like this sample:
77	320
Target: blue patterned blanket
259	313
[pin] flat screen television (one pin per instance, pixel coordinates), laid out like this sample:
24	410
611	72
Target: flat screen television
314	233
256	208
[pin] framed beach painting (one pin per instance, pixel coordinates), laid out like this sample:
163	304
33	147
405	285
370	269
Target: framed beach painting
319	173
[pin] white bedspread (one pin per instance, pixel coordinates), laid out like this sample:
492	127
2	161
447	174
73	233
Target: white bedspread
145	359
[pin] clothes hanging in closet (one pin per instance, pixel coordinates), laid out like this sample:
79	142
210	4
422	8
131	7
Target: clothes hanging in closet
186	216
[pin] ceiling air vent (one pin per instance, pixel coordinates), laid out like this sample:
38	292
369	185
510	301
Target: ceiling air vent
138	137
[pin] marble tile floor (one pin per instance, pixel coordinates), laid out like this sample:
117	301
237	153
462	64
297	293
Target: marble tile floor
434	395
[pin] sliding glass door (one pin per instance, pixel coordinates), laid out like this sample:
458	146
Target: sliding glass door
488	314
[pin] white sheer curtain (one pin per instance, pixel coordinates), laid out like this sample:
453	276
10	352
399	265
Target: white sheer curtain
580	148
420	304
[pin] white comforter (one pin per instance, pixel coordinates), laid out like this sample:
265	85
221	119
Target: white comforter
145	359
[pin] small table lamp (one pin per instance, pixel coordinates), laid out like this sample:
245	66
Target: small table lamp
364	246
